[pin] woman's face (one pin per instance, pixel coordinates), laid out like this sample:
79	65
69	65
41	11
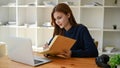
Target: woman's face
61	19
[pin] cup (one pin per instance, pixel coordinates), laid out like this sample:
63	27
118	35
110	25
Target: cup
109	49
2	49
114	26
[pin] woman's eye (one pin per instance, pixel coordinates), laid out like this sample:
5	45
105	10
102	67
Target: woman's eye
59	17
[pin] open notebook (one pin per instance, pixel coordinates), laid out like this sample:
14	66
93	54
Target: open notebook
20	50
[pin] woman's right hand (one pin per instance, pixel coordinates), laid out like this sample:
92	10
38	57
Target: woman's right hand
45	46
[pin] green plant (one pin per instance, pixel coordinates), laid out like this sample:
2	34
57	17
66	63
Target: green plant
114	60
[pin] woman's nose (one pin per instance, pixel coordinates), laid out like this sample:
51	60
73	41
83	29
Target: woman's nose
57	22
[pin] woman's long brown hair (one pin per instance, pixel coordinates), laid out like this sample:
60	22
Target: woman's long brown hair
64	8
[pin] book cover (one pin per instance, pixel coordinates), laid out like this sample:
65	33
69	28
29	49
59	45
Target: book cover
59	44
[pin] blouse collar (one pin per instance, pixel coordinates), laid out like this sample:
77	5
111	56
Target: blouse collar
70	30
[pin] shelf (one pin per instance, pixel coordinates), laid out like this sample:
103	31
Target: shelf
112	6
10	26
43	6
112	30
7	6
27	27
94	29
111	53
26	6
91	6
74	6
42	27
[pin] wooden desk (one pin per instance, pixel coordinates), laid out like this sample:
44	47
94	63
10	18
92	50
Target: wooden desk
5	62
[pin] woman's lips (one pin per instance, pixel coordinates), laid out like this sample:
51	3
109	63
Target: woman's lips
60	24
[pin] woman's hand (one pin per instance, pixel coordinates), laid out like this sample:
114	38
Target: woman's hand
45	47
65	54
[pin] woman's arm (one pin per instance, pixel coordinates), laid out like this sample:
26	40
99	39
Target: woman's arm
90	50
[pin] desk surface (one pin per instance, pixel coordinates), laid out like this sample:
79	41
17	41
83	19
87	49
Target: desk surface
5	62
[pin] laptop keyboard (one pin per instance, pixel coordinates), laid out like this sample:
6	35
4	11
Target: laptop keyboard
37	61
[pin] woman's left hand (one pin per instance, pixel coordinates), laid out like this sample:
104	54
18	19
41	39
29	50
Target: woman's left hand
65	54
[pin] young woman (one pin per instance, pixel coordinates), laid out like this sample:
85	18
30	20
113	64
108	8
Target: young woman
64	24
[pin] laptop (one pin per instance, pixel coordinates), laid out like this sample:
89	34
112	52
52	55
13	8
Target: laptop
20	50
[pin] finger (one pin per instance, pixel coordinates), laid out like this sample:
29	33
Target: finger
62	56
68	52
68	55
45	46
46	55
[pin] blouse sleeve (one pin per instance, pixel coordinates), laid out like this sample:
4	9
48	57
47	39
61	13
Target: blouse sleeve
50	41
90	50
